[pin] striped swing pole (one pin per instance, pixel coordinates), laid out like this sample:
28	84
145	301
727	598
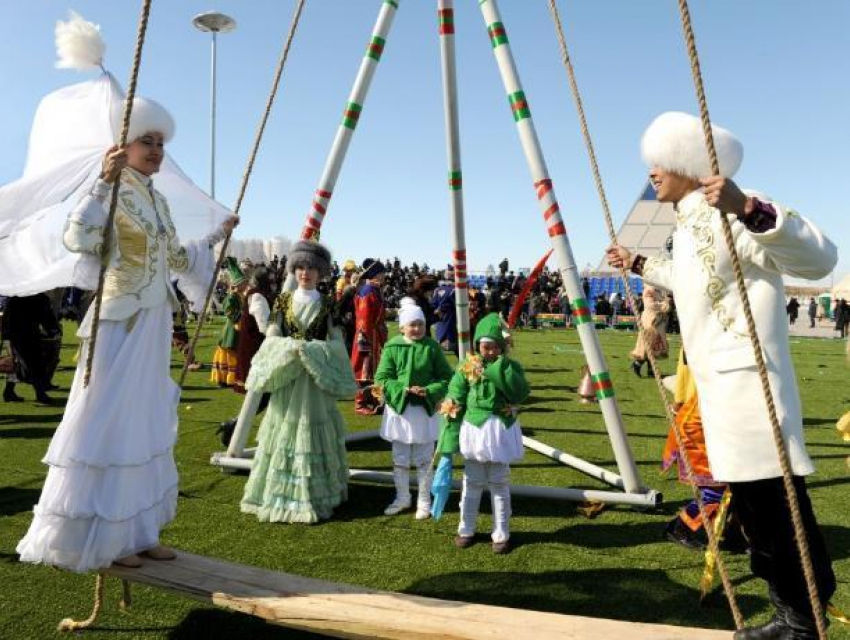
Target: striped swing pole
561	245
713	534
446	26
345	131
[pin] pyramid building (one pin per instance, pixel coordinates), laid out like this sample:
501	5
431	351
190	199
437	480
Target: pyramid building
647	227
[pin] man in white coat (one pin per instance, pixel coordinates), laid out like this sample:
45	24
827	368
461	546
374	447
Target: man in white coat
770	240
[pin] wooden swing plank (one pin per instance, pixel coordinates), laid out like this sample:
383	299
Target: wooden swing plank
348	611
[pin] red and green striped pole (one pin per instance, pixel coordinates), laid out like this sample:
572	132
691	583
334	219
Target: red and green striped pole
350	117
561	245
446	26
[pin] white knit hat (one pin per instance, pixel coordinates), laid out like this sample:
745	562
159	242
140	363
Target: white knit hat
675	142
409	312
147	116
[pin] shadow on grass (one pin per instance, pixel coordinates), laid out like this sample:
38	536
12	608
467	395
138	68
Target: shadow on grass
185	400
55	418
599	432
28	433
661	600
837	541
811	422
211	624
16	500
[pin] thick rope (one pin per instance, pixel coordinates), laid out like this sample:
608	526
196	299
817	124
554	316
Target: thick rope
69	624
712	538
784	461
106	248
245	177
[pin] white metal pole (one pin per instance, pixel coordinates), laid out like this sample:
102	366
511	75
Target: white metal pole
212	113
561	245
345	131
446	22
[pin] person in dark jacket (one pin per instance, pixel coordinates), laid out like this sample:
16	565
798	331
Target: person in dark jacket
34	336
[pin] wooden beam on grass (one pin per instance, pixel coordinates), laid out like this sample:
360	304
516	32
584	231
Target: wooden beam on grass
348	611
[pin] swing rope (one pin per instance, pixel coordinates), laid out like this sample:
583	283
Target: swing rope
712	538
113	203
69	624
244	186
796	518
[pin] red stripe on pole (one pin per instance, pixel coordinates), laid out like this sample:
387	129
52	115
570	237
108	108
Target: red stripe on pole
462	285
323	194
459	254
313	223
317	206
543	187
551	211
557	230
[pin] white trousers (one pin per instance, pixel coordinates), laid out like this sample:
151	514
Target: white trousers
418	455
496	477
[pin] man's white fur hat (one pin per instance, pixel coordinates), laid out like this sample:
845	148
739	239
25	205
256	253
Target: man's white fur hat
148	116
675	142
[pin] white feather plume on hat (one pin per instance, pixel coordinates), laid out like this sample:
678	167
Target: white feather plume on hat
79	44
675	142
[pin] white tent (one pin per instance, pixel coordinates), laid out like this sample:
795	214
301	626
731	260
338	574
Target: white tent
259	250
842	289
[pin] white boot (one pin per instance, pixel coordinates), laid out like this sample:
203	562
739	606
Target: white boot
402	502
499	477
474	482
423	498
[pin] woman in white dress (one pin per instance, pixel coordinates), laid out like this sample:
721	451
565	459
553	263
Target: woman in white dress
112	482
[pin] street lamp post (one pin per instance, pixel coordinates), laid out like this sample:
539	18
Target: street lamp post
214	23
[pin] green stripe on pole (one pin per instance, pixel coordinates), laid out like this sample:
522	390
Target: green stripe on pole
519	106
455	180
392	3
497	34
351	115
603	385
375	48
581	311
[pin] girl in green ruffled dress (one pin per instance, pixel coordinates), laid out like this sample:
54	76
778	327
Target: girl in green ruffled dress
300	471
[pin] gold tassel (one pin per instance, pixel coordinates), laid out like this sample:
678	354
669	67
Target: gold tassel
719	524
837	613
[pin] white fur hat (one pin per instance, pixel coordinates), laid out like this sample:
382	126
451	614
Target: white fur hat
675	142
409	312
147	116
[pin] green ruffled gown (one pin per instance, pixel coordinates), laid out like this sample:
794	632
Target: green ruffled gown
300	470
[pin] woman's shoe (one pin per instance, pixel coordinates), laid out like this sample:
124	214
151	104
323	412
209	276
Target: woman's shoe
159	553
636	367
131	562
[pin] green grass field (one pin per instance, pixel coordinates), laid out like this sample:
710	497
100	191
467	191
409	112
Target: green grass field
616	566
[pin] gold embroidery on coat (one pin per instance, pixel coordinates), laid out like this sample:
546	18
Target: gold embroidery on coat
699	226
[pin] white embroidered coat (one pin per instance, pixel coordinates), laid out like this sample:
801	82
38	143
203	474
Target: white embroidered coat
738	435
145	246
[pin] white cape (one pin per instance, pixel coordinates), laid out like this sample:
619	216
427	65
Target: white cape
73	128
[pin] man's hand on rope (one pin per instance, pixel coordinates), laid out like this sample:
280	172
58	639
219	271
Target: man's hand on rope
114	160
721	193
229	225
618	257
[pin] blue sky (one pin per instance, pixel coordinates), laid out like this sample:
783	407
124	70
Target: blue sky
772	73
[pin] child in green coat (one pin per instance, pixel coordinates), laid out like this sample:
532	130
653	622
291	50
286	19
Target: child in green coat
412	377
481	409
